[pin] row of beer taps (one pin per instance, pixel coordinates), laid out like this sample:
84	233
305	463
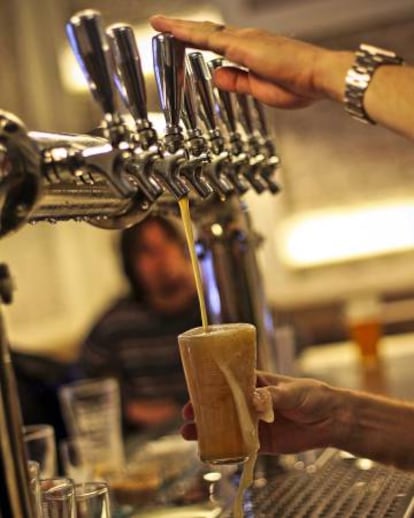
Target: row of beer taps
113	177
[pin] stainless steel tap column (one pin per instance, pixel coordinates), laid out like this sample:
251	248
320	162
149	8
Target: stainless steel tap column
15	496
227	244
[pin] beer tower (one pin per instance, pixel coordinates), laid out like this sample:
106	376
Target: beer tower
126	170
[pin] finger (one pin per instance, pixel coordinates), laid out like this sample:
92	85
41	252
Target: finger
268	378
189	431
243	82
202	35
188	412
263	404
233	79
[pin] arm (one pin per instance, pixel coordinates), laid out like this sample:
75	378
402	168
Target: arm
312	414
288	73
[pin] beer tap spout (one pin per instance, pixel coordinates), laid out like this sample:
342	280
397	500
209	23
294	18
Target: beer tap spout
168	55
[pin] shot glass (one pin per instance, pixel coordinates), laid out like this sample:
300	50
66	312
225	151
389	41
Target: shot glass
58	498
39	440
92	500
219	367
92	412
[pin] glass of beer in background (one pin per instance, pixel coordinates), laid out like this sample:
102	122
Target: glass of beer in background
364	323
219	367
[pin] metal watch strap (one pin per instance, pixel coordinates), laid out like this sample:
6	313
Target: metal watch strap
358	78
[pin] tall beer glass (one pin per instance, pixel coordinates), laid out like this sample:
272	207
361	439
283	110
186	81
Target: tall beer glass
219	367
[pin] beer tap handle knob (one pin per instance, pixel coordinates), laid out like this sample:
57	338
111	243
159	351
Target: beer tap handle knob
129	77
226	99
88	42
204	86
169	59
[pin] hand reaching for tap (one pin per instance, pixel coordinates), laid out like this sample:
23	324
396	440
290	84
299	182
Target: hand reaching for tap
287	73
311	414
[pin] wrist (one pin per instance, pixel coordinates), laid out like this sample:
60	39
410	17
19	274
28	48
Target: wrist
330	71
344	419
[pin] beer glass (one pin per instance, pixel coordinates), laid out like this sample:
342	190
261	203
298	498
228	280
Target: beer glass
219	367
363	320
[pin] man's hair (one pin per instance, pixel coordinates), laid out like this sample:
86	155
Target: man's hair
130	243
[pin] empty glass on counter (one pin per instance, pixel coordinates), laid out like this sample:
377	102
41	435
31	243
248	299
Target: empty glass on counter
58	498
74	458
34	484
39	440
92	500
92	413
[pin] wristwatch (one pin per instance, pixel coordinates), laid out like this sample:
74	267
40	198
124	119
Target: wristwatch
358	78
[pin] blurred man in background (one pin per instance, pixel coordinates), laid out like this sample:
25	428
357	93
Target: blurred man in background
136	338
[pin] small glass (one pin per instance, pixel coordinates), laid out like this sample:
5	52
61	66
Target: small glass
92	500
58	498
92	412
74	458
34	484
39	440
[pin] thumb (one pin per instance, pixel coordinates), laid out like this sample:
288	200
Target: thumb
284	396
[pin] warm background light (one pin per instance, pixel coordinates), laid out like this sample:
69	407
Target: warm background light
331	236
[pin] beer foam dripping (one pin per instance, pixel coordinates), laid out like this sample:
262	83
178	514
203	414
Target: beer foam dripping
249	430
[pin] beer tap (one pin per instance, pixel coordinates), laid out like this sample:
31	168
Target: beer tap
199	156
240	159
88	43
129	79
220	158
168	55
272	160
256	157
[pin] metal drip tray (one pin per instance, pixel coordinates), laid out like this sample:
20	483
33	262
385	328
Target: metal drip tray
339	487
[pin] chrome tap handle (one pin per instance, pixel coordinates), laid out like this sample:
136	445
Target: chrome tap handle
88	42
168	55
226	99
204	85
260	118
245	113
272	161
189	110
129	77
